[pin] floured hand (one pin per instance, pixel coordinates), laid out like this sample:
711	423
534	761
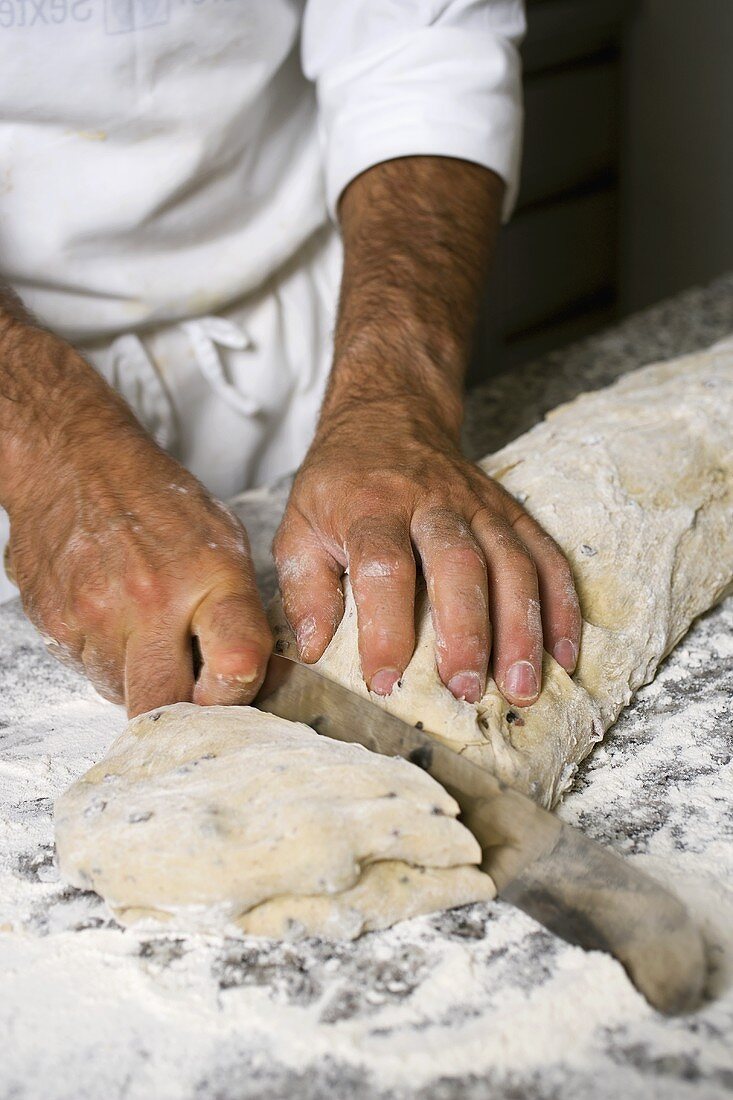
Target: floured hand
121	556
378	490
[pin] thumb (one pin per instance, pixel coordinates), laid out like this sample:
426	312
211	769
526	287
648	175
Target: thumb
235	642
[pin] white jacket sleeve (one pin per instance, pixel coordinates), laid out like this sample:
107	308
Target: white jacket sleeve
399	78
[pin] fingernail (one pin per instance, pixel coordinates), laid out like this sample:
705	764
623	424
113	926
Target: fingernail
566	654
521	681
384	680
304	636
466	685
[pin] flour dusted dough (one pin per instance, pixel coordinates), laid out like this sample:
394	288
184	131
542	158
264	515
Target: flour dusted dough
210	817
635	482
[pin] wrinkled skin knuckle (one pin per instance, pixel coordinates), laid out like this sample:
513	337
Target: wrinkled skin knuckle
376	494
145	587
361	510
495	532
462	560
382	531
378	567
92	608
436	523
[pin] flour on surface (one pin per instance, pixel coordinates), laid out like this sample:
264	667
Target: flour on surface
438	1006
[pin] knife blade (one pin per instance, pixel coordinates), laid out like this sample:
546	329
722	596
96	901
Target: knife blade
579	890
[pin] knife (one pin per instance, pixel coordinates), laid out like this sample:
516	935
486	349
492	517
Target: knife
576	888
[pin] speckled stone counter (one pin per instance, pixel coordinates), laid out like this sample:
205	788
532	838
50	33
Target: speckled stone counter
477	1003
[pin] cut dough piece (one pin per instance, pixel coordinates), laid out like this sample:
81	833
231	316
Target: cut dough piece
209	816
635	483
384	894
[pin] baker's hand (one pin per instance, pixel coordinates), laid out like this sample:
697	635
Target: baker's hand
122	557
376	489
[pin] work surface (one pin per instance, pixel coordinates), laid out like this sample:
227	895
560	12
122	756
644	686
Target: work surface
475	1003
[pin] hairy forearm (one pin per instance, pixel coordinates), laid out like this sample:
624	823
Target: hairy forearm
418	236
51	400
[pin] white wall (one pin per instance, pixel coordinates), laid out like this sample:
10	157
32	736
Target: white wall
677	153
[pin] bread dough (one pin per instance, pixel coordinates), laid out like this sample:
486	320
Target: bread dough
635	483
220	816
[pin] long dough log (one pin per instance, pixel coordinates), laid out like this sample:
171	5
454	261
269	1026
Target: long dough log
635	482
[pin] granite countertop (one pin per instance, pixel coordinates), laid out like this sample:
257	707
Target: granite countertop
475	1003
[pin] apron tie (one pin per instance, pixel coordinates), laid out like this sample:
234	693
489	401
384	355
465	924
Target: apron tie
131	370
206	334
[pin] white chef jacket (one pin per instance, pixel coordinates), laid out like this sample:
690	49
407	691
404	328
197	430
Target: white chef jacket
167	172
